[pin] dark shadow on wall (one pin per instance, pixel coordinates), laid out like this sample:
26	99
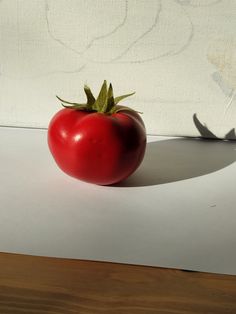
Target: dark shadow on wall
206	133
180	159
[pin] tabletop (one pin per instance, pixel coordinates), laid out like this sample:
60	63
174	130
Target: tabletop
151	244
40	285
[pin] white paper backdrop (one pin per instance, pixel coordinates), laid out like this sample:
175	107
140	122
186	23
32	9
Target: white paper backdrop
178	55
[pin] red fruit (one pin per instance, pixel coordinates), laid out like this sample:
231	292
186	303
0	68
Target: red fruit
98	142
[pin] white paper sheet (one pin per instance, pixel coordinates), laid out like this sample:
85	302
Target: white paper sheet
178	210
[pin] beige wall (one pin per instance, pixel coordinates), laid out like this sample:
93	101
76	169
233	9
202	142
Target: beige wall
178	55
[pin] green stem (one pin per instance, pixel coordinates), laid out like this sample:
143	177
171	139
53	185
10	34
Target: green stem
105	102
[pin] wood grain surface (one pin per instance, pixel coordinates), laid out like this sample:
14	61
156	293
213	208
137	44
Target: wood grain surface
41	285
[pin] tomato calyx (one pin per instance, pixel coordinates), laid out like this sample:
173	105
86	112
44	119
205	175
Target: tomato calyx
105	103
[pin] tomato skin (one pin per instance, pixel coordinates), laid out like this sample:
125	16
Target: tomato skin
95	147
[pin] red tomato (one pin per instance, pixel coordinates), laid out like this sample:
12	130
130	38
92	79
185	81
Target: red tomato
97	147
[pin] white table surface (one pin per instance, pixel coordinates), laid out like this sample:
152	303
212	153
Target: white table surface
178	210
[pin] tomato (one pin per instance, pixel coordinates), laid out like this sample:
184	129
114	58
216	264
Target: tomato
97	143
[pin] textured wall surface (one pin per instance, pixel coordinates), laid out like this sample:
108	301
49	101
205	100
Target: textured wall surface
178	55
